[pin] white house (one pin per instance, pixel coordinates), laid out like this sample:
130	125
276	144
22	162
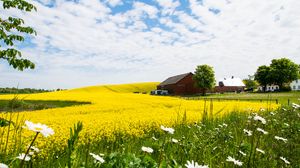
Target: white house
295	85
269	88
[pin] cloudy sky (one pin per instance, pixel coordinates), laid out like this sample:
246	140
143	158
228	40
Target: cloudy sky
92	42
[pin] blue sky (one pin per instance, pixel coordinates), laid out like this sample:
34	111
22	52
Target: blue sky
92	42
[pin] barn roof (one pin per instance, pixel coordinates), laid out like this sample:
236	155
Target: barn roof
174	79
233	81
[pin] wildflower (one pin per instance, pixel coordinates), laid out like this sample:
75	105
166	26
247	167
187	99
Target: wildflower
259	118
236	162
31	153
174	140
284	159
280	138
259	150
147	149
39	128
272	113
22	157
155	139
283	109
262	109
286	124
296	106
168	130
193	164
262	131
248	132
2	165
225	125
214	148
35	149
97	158
241	152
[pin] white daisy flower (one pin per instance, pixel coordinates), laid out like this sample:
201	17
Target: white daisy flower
193	164
168	130
286	124
2	165
241	152
236	162
295	105
35	149
259	118
248	132
259	150
39	128
147	149
280	138
22	157
174	140
262	131
31	153
155	139
97	158
284	159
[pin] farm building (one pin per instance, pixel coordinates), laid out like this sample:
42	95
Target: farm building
295	85
269	88
232	84
184	84
179	84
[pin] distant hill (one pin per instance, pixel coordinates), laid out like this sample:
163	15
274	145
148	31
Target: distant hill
145	87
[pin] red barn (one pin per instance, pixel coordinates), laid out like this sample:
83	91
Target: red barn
185	85
179	84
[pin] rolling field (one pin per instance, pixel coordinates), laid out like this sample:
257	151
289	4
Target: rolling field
116	109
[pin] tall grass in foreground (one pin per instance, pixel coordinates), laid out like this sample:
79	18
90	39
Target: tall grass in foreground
262	139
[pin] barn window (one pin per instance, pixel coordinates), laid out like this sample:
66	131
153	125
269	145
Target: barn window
294	87
298	87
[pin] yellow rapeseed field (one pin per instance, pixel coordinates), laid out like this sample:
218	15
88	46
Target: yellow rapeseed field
115	108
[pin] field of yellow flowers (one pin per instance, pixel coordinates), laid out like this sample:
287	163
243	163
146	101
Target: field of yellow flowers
116	109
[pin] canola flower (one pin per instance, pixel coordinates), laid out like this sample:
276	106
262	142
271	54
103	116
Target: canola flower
236	162
147	149
97	158
192	164
2	165
24	157
285	160
281	139
114	108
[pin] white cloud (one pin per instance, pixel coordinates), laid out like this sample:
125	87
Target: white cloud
84	43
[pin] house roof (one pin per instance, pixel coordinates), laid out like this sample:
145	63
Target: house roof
232	81
174	79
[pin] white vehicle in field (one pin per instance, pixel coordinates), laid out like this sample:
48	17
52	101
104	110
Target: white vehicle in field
159	92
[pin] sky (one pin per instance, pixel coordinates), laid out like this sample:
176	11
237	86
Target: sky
93	42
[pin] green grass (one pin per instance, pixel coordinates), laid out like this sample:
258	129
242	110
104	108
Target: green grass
283	97
16	104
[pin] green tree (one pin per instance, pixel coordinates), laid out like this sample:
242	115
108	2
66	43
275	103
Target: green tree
250	82
283	71
204	77
263	76
12	30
